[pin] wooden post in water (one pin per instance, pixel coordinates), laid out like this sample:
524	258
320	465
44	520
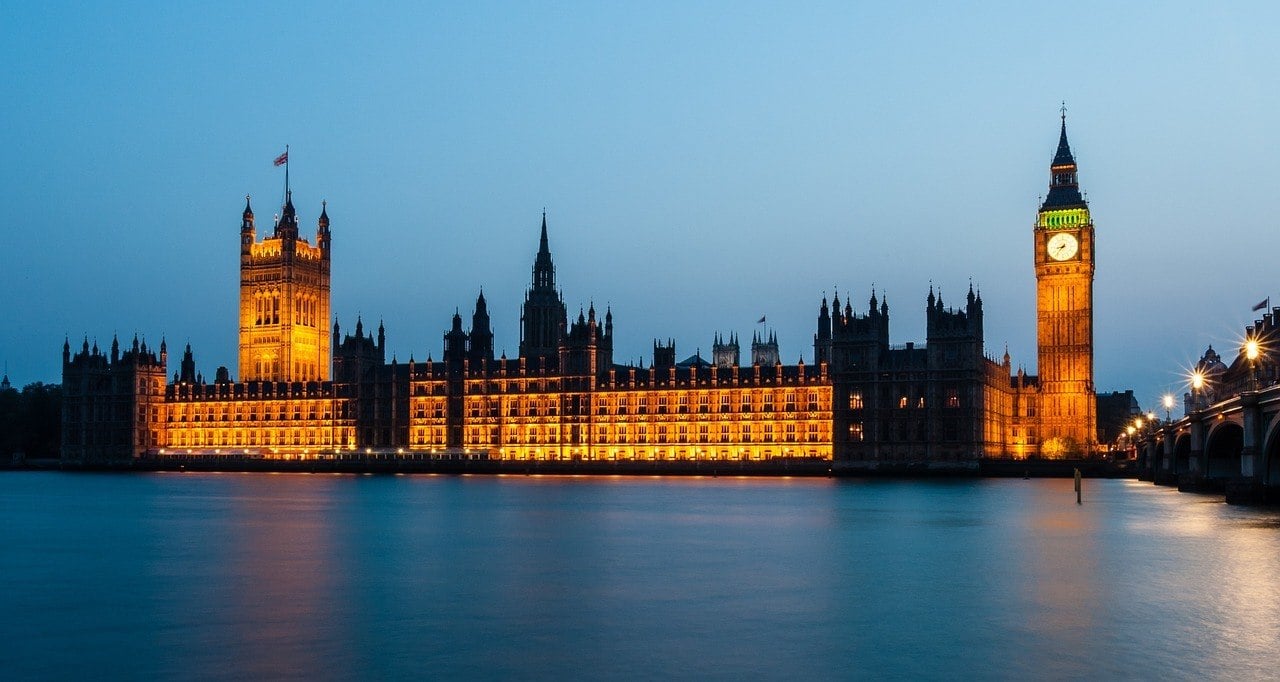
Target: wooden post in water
1078	486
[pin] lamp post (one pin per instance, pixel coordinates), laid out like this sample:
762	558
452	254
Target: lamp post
1168	407
1197	385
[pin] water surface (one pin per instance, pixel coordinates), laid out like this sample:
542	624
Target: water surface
218	576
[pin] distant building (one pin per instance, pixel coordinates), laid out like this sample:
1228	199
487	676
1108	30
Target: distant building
305	390
1116	411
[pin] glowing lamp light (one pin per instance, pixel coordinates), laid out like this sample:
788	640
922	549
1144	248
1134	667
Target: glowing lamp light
1130	430
1197	380
1168	402
1138	422
1251	349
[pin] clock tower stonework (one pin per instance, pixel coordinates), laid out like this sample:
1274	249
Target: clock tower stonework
1064	261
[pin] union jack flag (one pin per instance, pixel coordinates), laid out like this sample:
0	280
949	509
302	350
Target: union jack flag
282	159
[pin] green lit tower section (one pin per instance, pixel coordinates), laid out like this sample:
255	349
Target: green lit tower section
1064	262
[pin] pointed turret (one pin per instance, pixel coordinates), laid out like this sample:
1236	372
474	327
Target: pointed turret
287	226
455	343
322	228
481	334
188	369
247	231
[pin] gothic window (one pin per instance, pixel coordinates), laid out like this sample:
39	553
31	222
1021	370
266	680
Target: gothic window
855	401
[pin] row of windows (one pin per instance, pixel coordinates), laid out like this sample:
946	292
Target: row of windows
260	437
903	431
809	432
256	411
668	403
951	399
266	309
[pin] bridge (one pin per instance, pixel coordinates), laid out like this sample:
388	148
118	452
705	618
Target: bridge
1228	439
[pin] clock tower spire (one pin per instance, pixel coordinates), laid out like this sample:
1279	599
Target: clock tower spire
1064	263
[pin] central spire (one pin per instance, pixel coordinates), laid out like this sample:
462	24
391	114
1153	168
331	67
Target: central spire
1064	156
544	271
1064	186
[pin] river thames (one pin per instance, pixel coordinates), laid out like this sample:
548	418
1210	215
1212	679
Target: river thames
256	576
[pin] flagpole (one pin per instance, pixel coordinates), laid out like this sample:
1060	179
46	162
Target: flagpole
286	172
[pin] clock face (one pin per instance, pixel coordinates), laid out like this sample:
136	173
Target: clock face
1062	246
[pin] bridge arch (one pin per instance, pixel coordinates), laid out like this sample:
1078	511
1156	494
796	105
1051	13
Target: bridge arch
1182	454
1222	450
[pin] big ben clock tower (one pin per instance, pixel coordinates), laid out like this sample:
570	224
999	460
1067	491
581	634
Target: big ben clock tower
1064	257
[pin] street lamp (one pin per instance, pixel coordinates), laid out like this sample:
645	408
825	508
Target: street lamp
1251	352
1168	406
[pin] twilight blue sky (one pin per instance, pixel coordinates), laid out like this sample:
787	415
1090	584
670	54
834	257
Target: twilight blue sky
700	166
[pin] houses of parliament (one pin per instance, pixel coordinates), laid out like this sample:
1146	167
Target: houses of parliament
307	389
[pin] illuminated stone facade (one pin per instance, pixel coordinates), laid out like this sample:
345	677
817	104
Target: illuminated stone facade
284	300
863	404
